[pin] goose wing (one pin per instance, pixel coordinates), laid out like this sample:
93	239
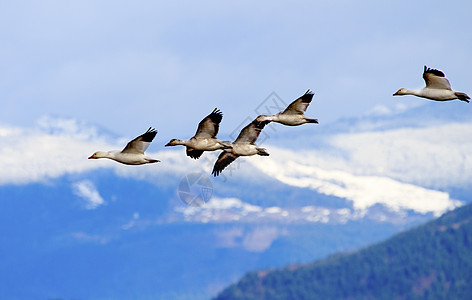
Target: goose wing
224	159
193	153
435	79
141	143
300	105
250	133
208	127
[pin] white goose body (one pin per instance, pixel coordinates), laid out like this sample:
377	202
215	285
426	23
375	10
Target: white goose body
133	153
294	114
289	120
204	144
125	158
432	94
205	137
437	88
244	145
244	149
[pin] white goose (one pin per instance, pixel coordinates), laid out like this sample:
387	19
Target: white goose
294	114
244	145
437	88
133	153
205	138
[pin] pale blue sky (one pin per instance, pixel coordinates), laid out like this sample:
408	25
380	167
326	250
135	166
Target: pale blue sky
129	65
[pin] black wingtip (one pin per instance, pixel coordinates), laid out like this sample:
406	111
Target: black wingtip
194	156
192	153
433	71
307	96
309	92
215	172
216	115
149	135
150	129
217	111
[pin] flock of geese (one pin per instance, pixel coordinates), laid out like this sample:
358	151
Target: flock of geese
437	88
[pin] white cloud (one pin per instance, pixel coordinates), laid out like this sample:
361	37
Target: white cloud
260	239
256	239
363	191
90	238
227	210
407	168
59	146
50	150
437	156
86	190
132	222
401	168
398	108
221	210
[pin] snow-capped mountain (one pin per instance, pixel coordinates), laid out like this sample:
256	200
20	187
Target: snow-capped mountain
169	230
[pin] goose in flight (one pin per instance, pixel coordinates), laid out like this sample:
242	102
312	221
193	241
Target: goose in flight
205	137
437	88
133	153
294	114
244	145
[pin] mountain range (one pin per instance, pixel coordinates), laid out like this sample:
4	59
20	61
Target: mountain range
79	229
432	261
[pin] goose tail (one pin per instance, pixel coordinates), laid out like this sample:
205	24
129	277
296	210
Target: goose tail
312	121
262	152
462	96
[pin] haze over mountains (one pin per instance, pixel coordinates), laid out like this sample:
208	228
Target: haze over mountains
324	188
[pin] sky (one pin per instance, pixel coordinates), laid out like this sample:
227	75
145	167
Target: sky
129	65
88	76
81	76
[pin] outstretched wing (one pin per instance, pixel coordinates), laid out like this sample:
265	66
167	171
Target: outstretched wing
435	79
141	143
195	154
250	133
208	127
300	105
224	159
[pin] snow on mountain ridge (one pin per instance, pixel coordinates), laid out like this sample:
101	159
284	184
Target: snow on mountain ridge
363	191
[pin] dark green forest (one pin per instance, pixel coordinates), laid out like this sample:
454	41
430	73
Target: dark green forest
432	261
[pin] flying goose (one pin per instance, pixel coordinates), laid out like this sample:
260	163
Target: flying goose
244	145
133	153
294	114
205	138
437	88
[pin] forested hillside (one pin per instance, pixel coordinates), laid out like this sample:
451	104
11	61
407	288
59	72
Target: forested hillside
433	261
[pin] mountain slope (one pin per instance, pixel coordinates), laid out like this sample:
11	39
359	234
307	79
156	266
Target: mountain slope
140	241
433	261
101	230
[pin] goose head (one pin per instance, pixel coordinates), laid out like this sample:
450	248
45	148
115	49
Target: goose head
175	142
264	118
98	154
402	91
